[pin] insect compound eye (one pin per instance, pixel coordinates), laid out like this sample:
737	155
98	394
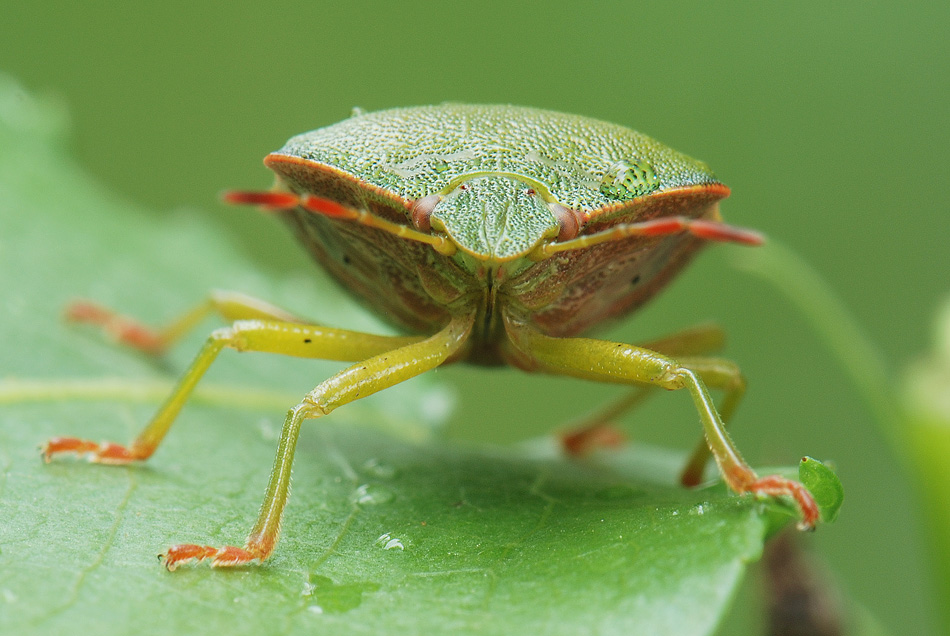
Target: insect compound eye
530	192
629	179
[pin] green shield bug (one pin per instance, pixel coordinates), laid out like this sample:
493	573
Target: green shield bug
499	235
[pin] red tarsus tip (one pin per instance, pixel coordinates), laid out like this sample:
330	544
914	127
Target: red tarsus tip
67	445
221	557
110	453
120	328
779	486
82	311
582	442
231	555
103	453
186	552
692	476
141	338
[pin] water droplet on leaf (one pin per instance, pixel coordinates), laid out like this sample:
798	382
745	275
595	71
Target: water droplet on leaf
372	494
389	542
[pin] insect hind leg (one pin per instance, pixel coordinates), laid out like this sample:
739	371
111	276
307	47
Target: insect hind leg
616	362
598	431
135	334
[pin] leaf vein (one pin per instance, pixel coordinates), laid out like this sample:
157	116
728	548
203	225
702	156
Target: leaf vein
100	556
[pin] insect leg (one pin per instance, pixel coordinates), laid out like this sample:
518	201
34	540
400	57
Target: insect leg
132	333
597	430
287	338
627	364
694	341
364	378
724	375
715	373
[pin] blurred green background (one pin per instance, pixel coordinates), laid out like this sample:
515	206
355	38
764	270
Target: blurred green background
829	121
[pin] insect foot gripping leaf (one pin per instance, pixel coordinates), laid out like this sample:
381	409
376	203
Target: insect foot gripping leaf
502	234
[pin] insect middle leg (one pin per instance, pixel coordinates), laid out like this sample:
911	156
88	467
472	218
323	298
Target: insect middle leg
622	363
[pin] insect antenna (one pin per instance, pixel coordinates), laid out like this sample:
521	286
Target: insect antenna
702	228
275	201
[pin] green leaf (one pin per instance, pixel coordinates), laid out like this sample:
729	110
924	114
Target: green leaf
387	531
824	486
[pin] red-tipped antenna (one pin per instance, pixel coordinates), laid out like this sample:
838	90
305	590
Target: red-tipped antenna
332	209
269	200
709	230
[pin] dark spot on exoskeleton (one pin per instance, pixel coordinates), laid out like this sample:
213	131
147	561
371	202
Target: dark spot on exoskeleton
346	260
307	340
635	279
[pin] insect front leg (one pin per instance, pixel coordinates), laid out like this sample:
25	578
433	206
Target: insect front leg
715	373
362	379
287	338
622	363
